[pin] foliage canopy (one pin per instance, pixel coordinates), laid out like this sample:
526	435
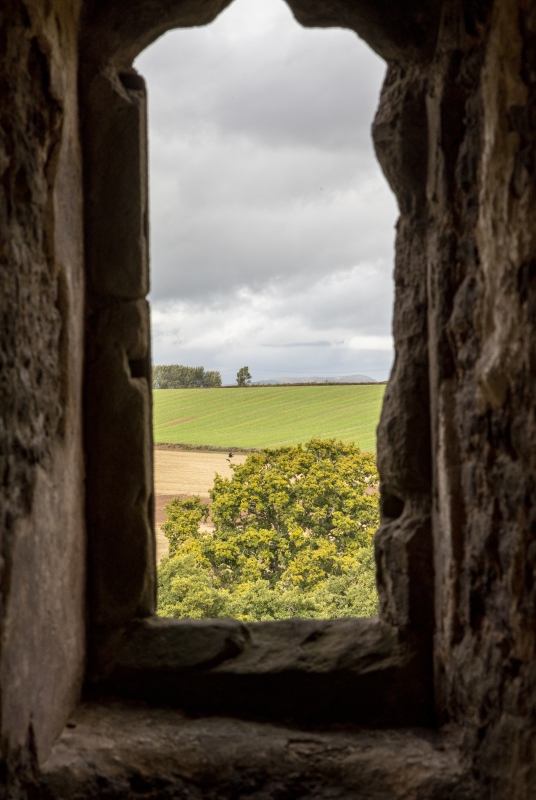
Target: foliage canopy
293	536
243	377
175	376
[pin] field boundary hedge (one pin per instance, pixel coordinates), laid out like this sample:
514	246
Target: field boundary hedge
281	385
204	448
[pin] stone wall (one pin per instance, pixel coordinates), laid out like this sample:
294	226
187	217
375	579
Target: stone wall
41	310
454	134
465	280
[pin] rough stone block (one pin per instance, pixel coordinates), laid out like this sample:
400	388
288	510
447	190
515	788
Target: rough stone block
116	213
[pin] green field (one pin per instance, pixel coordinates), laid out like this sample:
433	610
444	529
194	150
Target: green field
268	416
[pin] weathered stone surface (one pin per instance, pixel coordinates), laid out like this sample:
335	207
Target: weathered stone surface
119	452
42	559
114	751
472	252
455	135
342	670
118	403
117	33
169	646
115	145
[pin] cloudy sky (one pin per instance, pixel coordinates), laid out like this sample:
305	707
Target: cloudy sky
272	227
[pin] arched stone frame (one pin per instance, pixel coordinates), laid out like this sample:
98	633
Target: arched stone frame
274	669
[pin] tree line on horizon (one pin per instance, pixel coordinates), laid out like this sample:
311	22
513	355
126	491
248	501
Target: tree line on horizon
177	376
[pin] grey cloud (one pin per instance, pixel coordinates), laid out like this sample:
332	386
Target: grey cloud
239	243
241	327
268	208
285	84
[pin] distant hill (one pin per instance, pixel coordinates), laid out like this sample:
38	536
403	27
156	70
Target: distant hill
316	379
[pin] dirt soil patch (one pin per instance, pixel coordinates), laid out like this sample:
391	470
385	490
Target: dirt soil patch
182	473
188	472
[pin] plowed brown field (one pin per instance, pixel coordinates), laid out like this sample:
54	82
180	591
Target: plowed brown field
181	473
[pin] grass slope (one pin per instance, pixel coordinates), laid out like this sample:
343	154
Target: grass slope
267	417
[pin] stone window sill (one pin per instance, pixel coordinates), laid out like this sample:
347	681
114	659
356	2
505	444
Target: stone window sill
321	671
118	750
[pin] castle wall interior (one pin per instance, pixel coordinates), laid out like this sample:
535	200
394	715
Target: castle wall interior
435	697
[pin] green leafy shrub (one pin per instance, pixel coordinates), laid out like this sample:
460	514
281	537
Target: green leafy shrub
293	537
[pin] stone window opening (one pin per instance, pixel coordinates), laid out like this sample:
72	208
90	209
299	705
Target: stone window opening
213	230
162	713
375	671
